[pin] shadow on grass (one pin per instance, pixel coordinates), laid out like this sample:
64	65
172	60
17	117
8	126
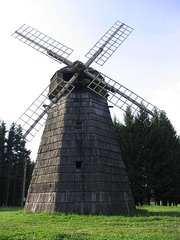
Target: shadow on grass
10	209
147	213
135	213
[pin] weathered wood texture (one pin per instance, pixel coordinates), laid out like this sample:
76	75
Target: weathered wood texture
79	166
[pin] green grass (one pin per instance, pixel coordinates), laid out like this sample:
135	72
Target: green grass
152	222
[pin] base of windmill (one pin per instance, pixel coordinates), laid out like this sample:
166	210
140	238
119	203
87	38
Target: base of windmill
79	166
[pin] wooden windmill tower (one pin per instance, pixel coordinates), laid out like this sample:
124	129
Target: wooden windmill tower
79	167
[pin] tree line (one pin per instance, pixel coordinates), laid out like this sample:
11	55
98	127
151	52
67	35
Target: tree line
151	152
150	149
14	158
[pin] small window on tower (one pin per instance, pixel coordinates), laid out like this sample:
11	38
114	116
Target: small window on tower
78	165
78	125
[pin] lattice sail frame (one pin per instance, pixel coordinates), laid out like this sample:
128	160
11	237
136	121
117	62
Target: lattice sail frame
34	117
36	112
112	39
120	96
41	42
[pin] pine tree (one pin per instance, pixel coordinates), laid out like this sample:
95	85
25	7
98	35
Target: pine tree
151	151
13	155
165	159
2	161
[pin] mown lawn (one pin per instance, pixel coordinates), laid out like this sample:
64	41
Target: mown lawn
152	222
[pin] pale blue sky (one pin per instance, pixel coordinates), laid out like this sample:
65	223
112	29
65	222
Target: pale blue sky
148	62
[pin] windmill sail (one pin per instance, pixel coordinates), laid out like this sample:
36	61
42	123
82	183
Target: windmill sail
110	41
41	42
32	120
119	95
34	117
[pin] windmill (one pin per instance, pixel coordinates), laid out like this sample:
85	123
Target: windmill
79	167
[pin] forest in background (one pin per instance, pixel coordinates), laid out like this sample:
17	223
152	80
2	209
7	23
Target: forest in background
151	152
13	159
150	149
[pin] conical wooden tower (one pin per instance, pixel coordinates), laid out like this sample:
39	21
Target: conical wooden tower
79	167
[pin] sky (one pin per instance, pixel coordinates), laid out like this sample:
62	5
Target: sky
148	62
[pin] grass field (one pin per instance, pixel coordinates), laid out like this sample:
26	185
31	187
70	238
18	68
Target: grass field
152	222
